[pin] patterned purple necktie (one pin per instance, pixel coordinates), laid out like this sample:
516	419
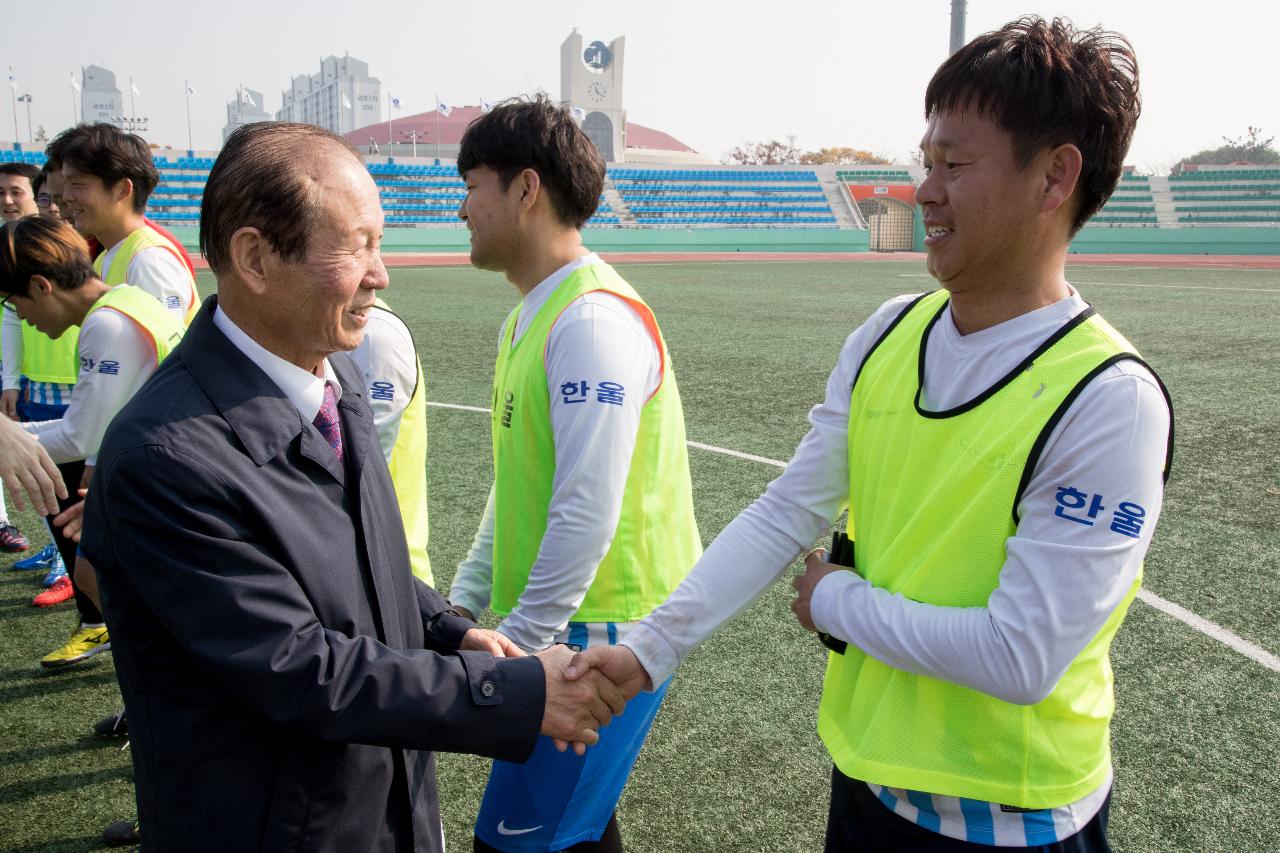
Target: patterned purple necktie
327	421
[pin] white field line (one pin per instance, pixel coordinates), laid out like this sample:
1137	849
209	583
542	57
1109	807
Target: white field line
1131	284
1177	611
1217	632
1180	286
1215	267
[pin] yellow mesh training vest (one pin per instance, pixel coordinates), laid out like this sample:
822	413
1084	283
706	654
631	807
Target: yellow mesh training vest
162	329
932	499
408	466
145	237
47	360
656	541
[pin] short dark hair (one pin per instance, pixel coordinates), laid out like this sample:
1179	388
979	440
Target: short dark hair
53	151
41	178
37	245
107	152
519	134
1049	84
22	170
259	181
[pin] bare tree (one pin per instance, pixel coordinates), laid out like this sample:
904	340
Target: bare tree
1250	148
773	152
844	157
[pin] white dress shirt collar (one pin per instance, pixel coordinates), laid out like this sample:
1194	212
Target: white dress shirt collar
304	389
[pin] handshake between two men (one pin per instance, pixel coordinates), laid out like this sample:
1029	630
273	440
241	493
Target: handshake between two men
585	690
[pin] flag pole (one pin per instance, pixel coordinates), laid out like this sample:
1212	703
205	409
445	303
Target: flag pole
437	128
13	94
186	87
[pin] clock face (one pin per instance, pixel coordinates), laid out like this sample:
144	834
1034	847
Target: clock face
598	91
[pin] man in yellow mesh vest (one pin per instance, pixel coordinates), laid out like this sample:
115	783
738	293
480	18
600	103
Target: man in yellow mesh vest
1001	451
589	524
388	359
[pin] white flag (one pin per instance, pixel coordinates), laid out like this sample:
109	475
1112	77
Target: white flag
246	98
13	81
444	109
485	106
578	113
74	84
191	90
133	87
346	102
395	102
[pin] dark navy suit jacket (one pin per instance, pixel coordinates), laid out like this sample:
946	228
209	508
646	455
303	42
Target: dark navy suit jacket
286	676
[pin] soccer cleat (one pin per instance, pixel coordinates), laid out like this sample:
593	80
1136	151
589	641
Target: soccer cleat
46	558
59	570
117	725
84	644
56	594
11	539
121	833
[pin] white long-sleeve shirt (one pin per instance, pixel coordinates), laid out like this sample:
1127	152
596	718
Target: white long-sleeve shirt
598	338
387	358
11	350
1062	577
115	359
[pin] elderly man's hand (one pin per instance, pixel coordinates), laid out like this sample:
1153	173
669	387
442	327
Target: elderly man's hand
815	569
24	465
576	709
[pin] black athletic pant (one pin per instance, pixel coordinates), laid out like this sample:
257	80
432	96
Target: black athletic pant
860	823
71	473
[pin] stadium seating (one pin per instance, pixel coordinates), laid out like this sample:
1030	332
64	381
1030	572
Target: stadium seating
875	176
429	194
1230	195
723	197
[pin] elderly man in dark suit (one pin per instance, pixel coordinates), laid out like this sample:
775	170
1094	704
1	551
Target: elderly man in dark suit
286	676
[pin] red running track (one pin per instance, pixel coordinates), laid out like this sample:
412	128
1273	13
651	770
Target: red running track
1225	262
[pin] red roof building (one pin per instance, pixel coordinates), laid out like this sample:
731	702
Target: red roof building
424	131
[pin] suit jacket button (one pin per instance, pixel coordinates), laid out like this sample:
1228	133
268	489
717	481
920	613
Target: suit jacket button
487	689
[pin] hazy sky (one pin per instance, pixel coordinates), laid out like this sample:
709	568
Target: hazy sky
712	74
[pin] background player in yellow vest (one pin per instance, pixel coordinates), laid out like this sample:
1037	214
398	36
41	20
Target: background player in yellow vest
46	276
108	176
100	180
17	199
1002	454
392	370
590	520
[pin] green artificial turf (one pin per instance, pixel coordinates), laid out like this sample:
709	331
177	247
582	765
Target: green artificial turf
733	763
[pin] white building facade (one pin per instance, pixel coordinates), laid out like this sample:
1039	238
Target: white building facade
342	97
100	99
591	80
246	108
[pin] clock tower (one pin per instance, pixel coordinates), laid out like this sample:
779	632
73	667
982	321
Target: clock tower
591	80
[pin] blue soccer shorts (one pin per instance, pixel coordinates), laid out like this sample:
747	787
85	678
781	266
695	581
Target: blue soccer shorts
557	799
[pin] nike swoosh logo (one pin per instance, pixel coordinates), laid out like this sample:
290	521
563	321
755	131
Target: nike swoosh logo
502	829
